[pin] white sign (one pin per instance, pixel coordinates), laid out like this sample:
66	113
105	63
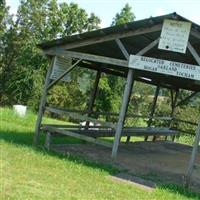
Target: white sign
172	68
174	35
60	65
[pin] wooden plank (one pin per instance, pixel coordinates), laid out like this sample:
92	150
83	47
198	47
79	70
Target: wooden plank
126	55
136	131
182	102
124	105
194	53
79	117
104	69
193	156
73	126
42	104
195	34
79	136
153	109
90	57
185	121
149	47
109	37
129	137
173	105
186	132
122	114
122	48
93	96
113	114
63	74
48	141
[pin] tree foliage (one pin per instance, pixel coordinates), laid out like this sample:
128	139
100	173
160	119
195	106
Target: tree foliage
23	66
124	16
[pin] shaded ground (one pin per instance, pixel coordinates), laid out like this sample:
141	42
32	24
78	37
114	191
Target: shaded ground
161	161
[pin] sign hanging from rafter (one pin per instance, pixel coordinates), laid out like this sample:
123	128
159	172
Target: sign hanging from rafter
174	35
167	67
60	65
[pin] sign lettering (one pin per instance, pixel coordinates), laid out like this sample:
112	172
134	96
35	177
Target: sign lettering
174	36
172	68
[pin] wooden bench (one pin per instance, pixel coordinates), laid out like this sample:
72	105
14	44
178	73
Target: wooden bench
92	134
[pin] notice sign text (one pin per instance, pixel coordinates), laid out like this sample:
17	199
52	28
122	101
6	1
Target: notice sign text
174	36
167	67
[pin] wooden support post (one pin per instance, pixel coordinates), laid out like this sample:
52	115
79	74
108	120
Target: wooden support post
122	48
173	105
42	104
122	114
127	93
193	157
93	96
129	137
126	55
153	109
48	141
184	101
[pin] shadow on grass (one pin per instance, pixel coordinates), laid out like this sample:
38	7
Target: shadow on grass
26	138
172	188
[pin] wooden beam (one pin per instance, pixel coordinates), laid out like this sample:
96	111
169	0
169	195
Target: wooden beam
149	47
186	99
173	105
109	37
126	55
185	121
129	137
122	48
194	53
42	104
124	105
136	131
79	117
193	156
153	109
83	112
122	114
90	57
195	34
93	96
72	126
63	74
105	70
79	136
48	141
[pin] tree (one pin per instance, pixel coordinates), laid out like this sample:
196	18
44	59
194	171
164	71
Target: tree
126	15
111	87
23	65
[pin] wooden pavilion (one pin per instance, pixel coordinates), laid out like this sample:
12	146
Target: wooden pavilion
122	51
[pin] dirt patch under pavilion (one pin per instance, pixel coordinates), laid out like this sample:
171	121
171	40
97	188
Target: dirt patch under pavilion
163	161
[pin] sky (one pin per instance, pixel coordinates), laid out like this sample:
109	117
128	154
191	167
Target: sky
107	9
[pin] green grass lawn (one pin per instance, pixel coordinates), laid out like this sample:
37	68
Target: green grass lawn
30	173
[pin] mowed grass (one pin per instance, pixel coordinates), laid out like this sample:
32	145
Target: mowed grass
30	173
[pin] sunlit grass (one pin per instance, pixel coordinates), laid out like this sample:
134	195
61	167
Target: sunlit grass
30	173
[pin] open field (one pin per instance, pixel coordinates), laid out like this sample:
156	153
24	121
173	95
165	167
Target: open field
30	173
